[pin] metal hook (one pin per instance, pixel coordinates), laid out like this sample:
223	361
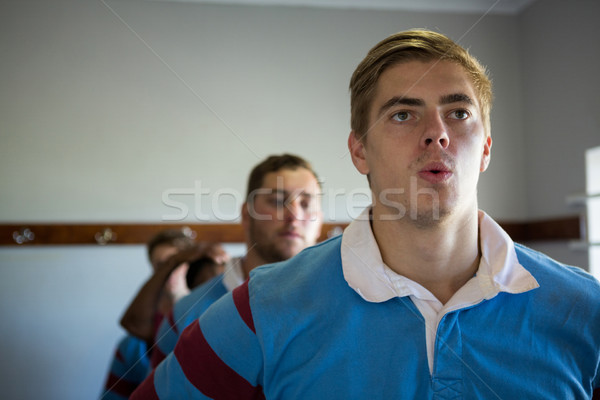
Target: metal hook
107	235
24	235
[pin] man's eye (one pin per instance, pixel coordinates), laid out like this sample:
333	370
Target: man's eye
276	201
459	114
401	116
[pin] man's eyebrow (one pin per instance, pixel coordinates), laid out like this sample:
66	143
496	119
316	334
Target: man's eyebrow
401	100
456	98
297	192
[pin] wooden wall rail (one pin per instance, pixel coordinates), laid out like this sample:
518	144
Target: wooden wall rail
564	228
27	234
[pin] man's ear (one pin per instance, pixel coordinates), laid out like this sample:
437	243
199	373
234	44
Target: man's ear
358	151
485	157
245	216
320	217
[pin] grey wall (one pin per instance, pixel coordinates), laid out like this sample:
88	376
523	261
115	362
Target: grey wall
560	60
104	109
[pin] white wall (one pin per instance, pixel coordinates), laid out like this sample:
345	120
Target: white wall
592	158
59	307
96	122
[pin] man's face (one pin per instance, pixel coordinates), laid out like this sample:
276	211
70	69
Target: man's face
426	146
284	215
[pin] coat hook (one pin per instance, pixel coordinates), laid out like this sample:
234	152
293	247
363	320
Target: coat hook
107	235
24	235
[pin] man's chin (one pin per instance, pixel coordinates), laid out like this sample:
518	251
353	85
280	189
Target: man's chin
289	251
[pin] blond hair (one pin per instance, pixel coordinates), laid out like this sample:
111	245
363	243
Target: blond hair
406	46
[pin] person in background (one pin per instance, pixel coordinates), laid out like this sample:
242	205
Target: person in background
424	296
166	251
280	217
163	289
167	285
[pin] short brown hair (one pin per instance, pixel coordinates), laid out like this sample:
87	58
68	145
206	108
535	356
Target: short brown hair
274	164
179	238
406	46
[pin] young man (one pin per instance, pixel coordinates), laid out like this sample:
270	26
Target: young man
423	297
281	216
163	289
131	362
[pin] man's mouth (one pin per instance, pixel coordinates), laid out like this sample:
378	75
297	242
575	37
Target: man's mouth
290	234
435	172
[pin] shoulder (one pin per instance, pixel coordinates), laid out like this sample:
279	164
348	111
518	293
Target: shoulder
132	344
132	350
324	252
312	265
201	297
560	279
299	286
548	268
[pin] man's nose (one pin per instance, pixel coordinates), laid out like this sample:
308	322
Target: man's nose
435	132
292	210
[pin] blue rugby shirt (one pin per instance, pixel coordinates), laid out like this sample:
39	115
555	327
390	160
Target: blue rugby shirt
297	330
128	368
499	271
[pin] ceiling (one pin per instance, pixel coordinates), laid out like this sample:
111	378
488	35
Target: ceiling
459	6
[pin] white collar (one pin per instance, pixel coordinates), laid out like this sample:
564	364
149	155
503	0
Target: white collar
499	269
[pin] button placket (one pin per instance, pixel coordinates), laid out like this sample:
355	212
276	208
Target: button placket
447	379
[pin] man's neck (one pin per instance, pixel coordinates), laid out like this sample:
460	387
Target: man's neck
250	261
441	257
